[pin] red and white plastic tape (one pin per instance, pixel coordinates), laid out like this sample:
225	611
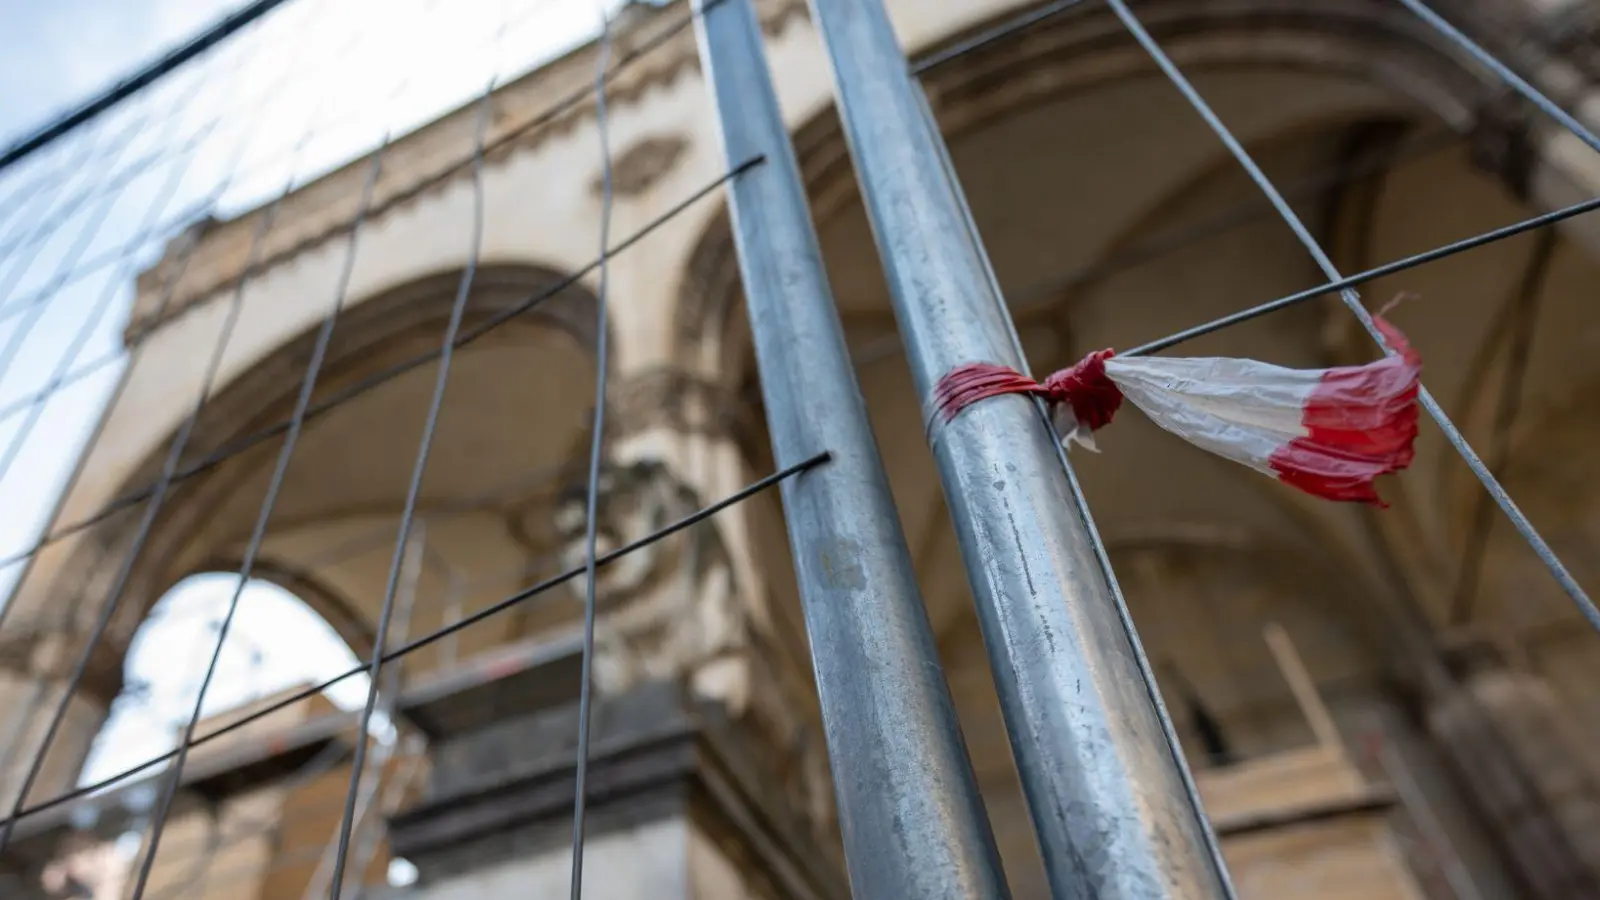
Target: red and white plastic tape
1328	432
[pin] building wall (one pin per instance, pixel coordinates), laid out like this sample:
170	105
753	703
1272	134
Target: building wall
1075	155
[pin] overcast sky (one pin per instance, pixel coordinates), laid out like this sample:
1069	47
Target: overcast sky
314	84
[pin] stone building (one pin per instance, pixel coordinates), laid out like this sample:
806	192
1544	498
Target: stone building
1379	704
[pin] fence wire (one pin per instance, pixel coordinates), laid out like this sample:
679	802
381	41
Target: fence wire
58	197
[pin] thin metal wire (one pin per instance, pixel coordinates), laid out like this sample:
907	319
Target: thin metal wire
94	150
167	153
56	384
411	571
102	304
35	312
1161	244
121	254
988	36
548	115
323	762
131	251
23	717
1546	555
1505	73
46	227
158	496
23	195
1147	675
467	336
432	637
1353	302
419	468
275	483
580	790
1524	317
230	171
131	85
1373	274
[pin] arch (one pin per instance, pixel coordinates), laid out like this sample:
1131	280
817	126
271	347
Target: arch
514	412
162	685
1086	49
1413	80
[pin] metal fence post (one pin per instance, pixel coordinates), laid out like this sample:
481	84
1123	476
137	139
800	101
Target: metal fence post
913	822
1106	798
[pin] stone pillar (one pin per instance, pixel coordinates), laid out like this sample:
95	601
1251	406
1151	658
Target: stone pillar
691	607
1529	775
682	805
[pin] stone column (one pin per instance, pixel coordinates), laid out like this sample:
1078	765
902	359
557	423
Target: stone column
692	607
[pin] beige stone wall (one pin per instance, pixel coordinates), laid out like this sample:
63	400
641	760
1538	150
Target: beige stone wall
1075	156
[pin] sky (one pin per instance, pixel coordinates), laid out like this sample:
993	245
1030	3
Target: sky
312	85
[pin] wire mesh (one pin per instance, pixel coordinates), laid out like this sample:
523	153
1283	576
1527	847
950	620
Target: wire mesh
144	143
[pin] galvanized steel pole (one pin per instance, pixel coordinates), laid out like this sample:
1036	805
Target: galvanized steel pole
912	819
1107	801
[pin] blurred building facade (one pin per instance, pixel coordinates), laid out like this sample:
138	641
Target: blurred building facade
1380	704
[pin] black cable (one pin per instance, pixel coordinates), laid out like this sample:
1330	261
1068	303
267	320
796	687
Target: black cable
230	174
432	637
1352	301
1524	318
157	497
275	483
998	32
419	467
102	304
468	335
130	85
1400	265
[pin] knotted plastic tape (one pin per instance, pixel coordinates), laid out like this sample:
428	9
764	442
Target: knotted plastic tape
1329	432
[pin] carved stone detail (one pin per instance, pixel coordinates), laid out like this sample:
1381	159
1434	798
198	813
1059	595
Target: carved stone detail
667	610
672	398
646	162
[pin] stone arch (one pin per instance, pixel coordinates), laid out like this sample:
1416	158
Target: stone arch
522	360
189	608
1086	49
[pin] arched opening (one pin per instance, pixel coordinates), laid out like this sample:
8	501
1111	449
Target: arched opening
514	415
276	642
1114	217
267	832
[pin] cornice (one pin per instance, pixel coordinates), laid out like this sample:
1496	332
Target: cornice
653	47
